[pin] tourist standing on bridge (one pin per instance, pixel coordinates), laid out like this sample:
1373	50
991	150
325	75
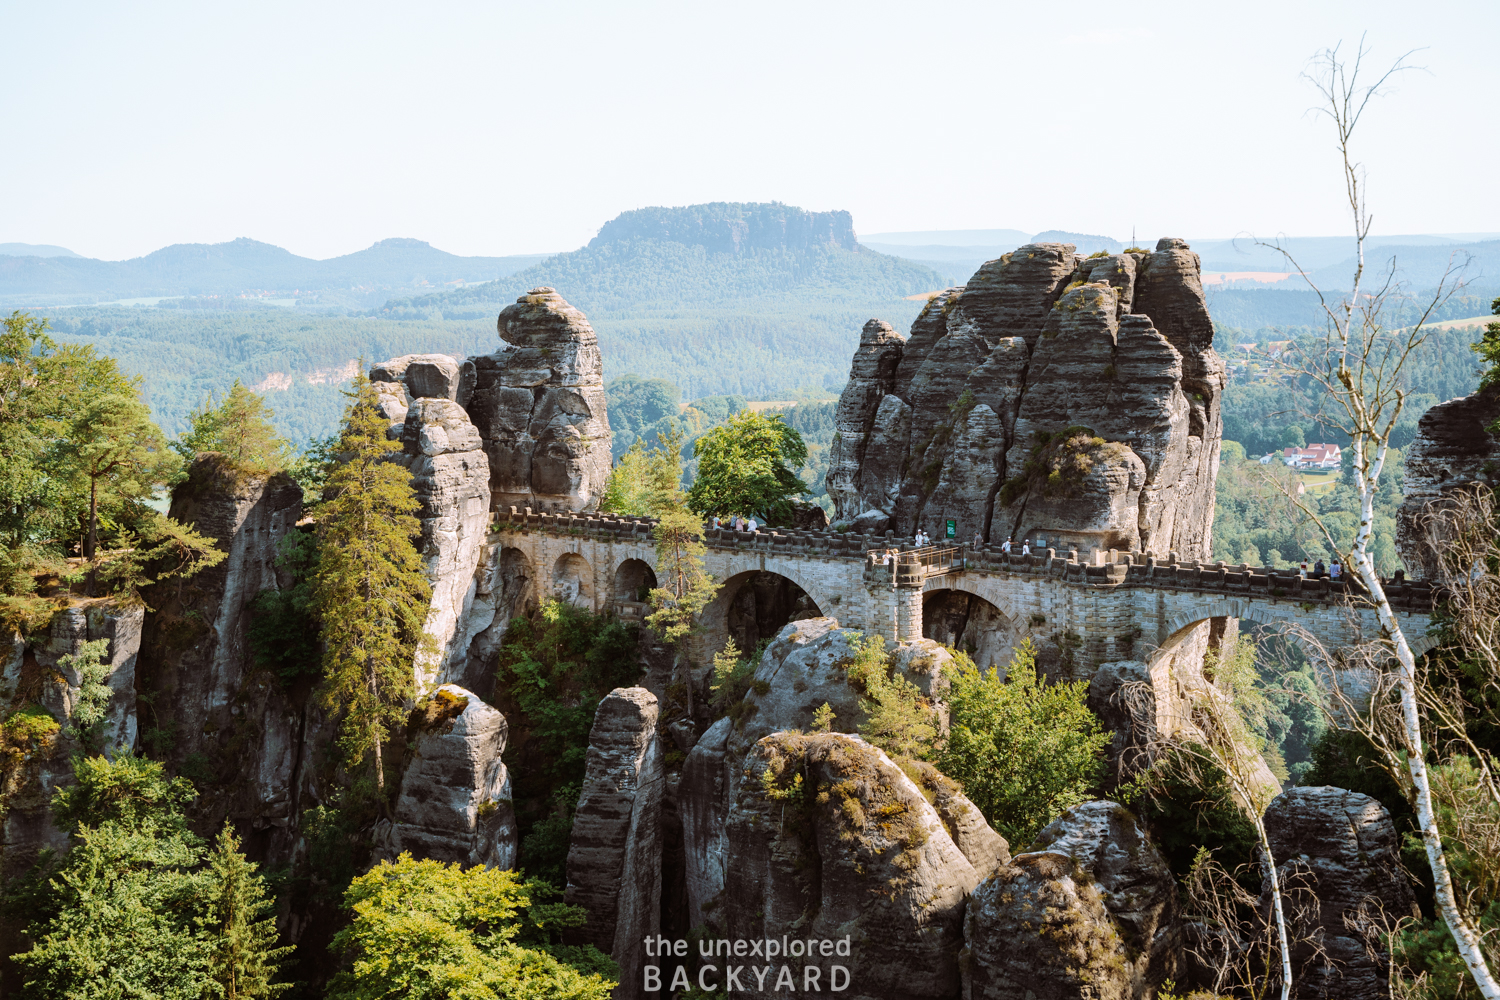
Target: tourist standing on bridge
978	539
1005	546
1335	571
1319	570
1025	548
1302	571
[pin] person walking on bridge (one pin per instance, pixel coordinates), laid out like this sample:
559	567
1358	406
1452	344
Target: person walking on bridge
1005	546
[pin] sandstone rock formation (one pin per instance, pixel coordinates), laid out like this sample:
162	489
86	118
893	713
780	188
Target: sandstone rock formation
803	668
36	670
243	730
827	838
539	405
451	477
614	856
1124	701
1088	910
1343	847
1453	448
1071	400
454	803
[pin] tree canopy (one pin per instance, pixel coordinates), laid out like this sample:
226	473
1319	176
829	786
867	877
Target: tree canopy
423	929
745	467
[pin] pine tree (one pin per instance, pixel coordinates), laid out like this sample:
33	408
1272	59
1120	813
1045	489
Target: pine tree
369	589
113	446
243	954
240	429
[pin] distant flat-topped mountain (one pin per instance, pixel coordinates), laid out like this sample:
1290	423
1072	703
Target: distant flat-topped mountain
730	227
246	265
721	298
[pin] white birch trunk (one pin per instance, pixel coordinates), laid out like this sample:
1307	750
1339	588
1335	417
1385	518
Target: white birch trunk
1464	935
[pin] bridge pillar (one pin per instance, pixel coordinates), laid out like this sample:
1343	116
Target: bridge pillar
908	602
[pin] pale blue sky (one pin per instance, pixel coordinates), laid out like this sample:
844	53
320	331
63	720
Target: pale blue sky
511	128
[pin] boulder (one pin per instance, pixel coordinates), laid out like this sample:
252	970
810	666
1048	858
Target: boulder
539	405
827	839
800	670
451	476
1453	449
1343	847
614	854
454	803
1088	910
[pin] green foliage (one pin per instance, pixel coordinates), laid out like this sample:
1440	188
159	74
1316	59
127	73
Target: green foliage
423	929
369	589
138	907
897	719
240	429
1253	518
557	664
1024	750
743	468
824	718
646	484
1468	819
1488	349
240	925
283	631
1186	817
114	449
732	674
93	693
685	587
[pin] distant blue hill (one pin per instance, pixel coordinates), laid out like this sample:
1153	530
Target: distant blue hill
244	265
34	250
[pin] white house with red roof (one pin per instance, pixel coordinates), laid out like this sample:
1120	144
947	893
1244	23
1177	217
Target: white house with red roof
1314	456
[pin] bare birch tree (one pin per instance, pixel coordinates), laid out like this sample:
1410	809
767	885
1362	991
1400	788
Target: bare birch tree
1208	731
1357	373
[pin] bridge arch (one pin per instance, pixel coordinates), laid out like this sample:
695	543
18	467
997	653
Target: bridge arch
966	620
633	580
754	605
573	580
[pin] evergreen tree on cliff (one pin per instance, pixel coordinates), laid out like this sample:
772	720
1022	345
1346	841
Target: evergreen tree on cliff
369	589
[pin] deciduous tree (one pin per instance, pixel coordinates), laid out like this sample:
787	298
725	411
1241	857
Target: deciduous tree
745	467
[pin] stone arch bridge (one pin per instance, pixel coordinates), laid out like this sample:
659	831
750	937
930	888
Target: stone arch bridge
1105	606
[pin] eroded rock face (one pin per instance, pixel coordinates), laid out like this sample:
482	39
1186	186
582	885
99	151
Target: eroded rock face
803	668
36	670
1343	847
1040	342
539	405
454	803
614	855
871	376
451	477
196	664
1088	910
1452	449
852	848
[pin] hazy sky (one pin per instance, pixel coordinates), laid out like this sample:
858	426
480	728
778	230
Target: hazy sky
505	128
